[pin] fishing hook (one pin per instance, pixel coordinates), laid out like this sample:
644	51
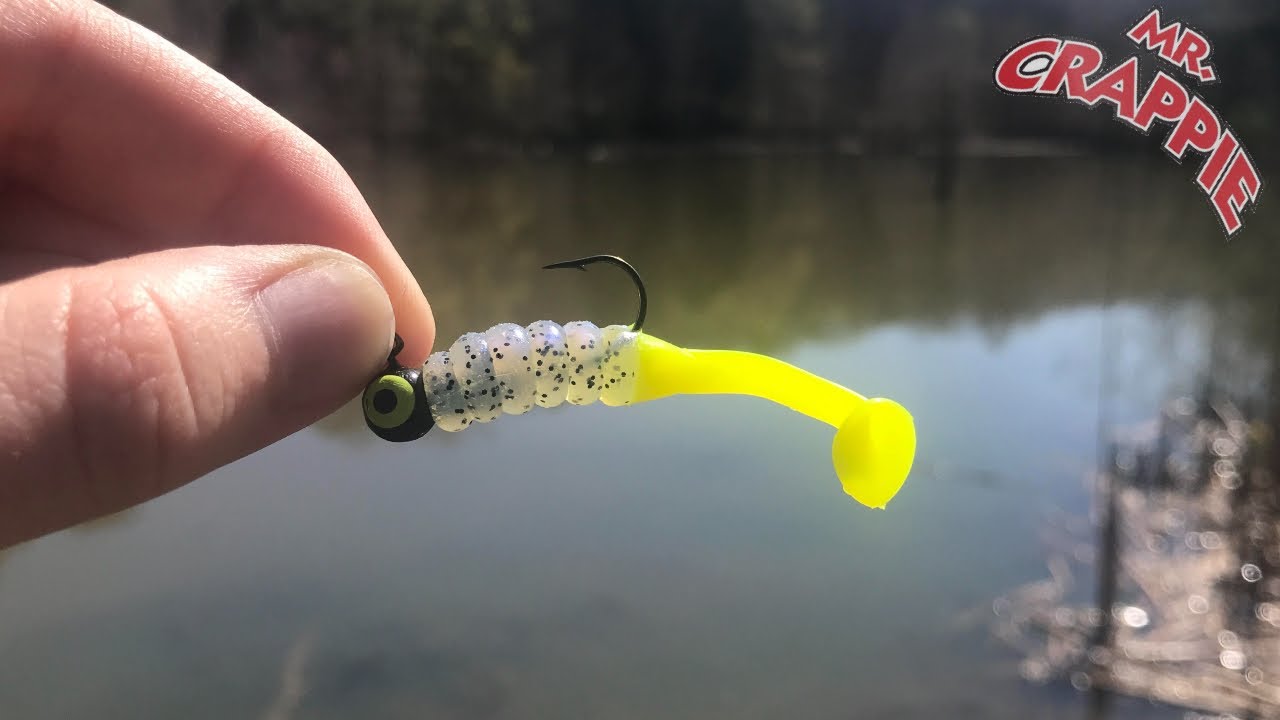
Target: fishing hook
582	263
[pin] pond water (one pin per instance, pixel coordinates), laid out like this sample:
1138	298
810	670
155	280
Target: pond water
692	558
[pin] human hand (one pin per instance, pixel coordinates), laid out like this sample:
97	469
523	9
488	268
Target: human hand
164	305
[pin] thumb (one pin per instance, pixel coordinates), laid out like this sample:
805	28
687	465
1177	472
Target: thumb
124	380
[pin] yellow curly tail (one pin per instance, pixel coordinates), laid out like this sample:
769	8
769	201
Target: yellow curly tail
875	439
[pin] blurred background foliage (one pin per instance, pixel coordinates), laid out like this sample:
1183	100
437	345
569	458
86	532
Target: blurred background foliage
543	74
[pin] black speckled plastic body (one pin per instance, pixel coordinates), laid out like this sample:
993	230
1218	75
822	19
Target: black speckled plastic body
509	369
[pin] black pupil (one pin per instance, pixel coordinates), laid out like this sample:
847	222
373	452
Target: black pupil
384	401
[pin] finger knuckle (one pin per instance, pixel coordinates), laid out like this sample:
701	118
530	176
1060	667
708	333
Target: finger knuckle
130	402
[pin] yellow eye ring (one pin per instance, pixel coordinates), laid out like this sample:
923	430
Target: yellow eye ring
404	398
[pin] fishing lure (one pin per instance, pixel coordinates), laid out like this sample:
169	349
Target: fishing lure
510	369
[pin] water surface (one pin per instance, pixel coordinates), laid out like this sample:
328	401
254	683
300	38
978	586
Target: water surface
693	558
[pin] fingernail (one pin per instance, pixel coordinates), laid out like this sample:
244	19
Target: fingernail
330	324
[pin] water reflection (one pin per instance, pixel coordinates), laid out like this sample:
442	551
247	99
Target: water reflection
759	253
691	558
1179	535
764	251
1187	534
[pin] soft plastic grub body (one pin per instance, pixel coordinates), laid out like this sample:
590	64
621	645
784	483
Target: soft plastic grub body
510	370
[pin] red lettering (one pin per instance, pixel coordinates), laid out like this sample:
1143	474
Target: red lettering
1120	86
1165	99
1180	45
1212	168
1017	73
1239	186
1198	128
1075	62
1051	66
1191	53
1161	39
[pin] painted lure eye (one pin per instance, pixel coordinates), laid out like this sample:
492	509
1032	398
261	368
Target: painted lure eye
388	401
395	406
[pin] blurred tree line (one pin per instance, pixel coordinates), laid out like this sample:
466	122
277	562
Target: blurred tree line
874	73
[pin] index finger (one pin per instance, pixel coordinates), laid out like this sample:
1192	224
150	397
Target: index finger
113	122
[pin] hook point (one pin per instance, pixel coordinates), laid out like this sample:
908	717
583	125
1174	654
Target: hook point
582	263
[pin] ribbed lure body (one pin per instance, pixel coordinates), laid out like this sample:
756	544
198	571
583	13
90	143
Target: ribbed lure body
509	369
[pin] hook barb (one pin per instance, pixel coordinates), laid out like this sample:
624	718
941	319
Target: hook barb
582	263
